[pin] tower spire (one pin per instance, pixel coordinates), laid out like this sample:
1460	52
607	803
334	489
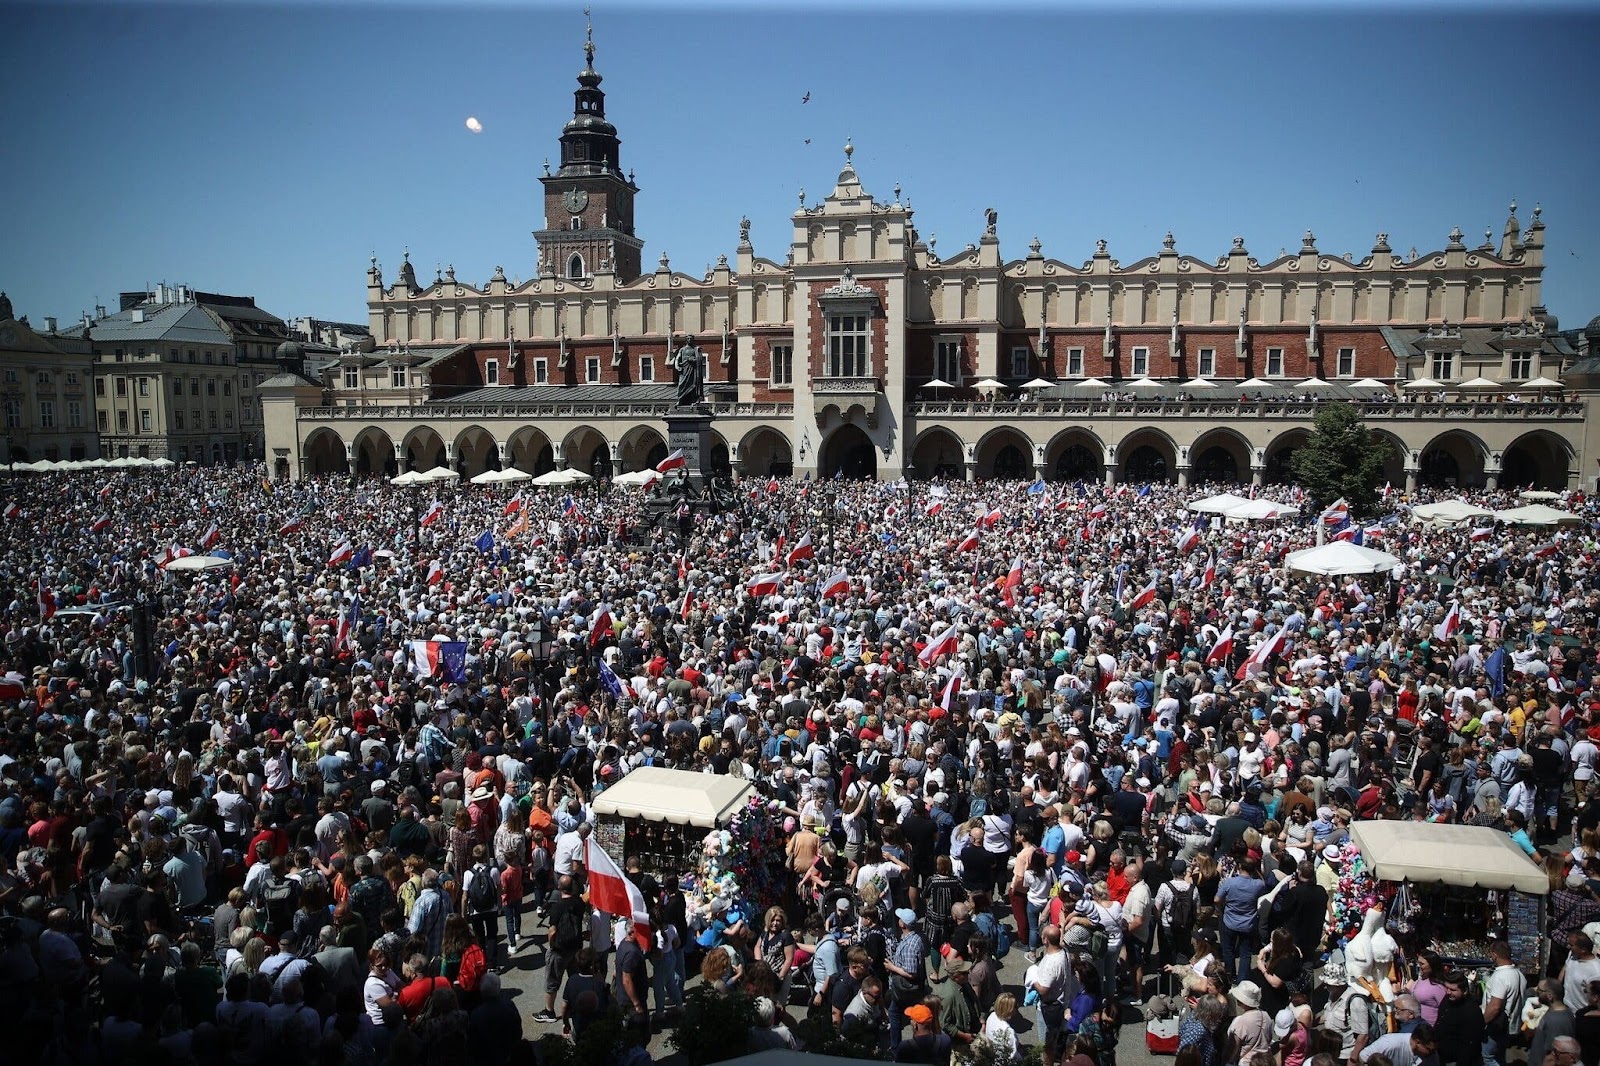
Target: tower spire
588	38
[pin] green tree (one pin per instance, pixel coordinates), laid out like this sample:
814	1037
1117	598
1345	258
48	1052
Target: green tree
1341	458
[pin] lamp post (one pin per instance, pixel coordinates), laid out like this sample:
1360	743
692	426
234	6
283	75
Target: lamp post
539	648
11	457
833	501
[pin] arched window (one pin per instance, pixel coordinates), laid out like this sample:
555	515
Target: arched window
575	266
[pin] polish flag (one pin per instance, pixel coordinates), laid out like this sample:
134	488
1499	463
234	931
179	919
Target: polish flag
611	893
47	604
991	518
688	602
945	643
1013	582
952	687
675	461
772	486
764	584
802	550
837	585
933	506
777	547
432	514
601	630
969	542
1220	650
514	505
1098	511
1144	596
1064	503
342	554
291	526
106	490
1338	513
12	510
683	567
101	525
1188	540
1258	658
651	481
174	552
435	573
1209	577
1483	533
212	536
1452	622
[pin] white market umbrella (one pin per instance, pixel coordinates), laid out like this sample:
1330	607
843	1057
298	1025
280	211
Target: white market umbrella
937	383
1539	494
1259	510
1369	383
1542	383
1039	383
440	473
488	477
1142	383
1198	383
1449	512
1222	504
1258	383
45	466
408	479
198	562
635	478
1423	383
1537	514
1340	557
512	476
1479	383
562	477
1313	383
1090	383
988	383
163	463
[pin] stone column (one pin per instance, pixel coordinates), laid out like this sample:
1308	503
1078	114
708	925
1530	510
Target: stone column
1111	475
1412	474
1183	475
504	448
971	470
1491	477
399	456
1258	474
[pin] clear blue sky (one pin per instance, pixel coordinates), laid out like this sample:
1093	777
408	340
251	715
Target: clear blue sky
269	150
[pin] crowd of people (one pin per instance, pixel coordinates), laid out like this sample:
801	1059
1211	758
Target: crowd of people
1040	759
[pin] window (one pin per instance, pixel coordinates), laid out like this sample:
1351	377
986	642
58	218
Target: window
13	414
208	357
1020	358
177	420
1347	362
541	371
191	355
397	377
211	419
227	386
947	361
172	353
122	386
144	386
647	368
118	355
99	386
1521	366
227	420
144	421
1274	362
122	421
1074	363
47	414
103	420
1207	364
575	266
1141	362
783	364
183	453
44	377
72	377
11	375
575	223
211	386
591	370
847	346
194	386
177	386
491	372
74	414
1442	364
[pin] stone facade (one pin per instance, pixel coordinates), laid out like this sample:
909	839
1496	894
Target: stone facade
46	397
863	350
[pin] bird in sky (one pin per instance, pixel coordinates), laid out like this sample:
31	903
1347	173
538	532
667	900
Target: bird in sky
808	140
806	99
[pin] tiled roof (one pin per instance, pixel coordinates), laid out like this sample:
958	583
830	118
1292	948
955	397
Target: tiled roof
566	394
186	322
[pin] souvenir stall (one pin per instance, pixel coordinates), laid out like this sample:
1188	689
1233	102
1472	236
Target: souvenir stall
1445	888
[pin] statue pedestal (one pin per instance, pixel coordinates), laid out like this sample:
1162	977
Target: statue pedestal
689	431
697	488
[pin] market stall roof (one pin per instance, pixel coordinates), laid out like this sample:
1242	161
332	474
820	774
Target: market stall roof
1341	557
658	794
1537	514
1471	856
1449	512
1222	504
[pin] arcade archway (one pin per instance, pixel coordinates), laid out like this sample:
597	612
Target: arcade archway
848	452
1147	456
1452	460
424	449
530	451
586	450
765	453
1537	460
1004	454
324	454
374	453
937	454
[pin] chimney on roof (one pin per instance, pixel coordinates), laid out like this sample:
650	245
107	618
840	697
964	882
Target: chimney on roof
49	323
99	311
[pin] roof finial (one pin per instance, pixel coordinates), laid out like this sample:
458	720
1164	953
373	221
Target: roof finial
588	38
849	149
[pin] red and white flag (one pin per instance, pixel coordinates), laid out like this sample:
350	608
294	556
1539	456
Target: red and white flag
837	585
969	542
291	525
1452	622
933	506
601	630
952	687
101	524
650	481
1188	540
612	893
687	605
47	604
1258	658
432	514
210	537
945	643
513	505
173	552
106	490
1483	533
1013	582
1221	649
435	573
802	550
764	584
12	510
772	486
675	461
342	554
991	518
1145	595
1209	577
1098	511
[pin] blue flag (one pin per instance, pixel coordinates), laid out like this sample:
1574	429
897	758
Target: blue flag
485	541
1080	490
360	559
609	679
1037	488
1495	668
1144	490
838	474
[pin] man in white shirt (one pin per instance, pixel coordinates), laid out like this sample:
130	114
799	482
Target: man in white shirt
1503	996
571	850
1584	756
1581	968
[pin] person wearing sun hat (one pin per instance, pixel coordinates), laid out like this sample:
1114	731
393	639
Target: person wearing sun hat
1251	1030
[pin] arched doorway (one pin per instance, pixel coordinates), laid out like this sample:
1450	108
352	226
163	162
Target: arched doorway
374	454
642	448
587	450
324	454
1075	454
1452	460
1147	455
1535	461
1280	457
721	461
937	454
1220	456
476	452
424	449
765	453
531	451
1004	454
848	452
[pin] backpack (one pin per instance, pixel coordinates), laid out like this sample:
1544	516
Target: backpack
1180	912
997	934
569	929
480	897
278	899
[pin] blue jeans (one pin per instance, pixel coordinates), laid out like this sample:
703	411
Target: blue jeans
668	979
1237	950
1035	911
512	912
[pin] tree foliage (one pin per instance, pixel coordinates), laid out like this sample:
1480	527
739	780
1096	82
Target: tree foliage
1342	458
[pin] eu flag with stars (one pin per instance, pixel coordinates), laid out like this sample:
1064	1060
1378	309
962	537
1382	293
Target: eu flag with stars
485	541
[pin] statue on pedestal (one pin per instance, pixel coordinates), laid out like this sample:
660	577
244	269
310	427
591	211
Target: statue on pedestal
688	361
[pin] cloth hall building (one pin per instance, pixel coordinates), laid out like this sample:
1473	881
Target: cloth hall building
856	346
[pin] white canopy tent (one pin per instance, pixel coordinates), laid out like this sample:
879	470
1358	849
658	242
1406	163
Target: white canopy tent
1260	510
198	562
1423	383
635	478
1539	494
1369	383
488	477
440	473
1340	557
562	477
1198	383
1090	383
1469	856
1217	504
1537	514
408	479
1449	512
1142	383
682	797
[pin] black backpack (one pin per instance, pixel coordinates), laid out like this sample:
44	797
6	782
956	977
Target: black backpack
568	934
480	896
278	897
1180	912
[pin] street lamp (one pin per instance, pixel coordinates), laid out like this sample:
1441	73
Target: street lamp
833	500
539	645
